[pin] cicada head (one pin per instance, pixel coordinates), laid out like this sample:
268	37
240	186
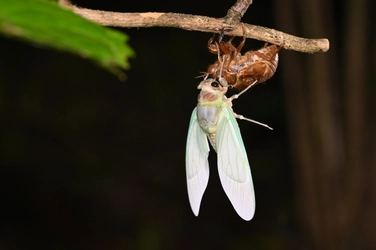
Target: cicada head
213	86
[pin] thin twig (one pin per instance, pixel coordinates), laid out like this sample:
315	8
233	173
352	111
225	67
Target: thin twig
236	12
199	23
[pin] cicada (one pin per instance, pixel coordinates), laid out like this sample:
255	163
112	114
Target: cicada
214	119
242	70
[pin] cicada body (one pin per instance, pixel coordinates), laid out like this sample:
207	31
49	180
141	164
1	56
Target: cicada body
242	70
214	119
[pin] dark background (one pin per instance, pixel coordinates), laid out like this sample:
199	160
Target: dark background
89	162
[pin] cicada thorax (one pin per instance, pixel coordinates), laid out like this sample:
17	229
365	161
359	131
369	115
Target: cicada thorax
229	69
228	59
221	47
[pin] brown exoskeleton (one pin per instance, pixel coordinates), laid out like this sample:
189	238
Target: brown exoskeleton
239	70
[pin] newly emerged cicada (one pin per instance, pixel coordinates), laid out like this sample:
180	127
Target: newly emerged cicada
213	119
239	70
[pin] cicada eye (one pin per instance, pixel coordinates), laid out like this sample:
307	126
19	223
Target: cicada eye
215	84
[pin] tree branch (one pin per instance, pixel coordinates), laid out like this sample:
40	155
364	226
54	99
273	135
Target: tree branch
236	12
229	24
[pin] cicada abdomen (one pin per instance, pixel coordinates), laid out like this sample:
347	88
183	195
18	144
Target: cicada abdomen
260	65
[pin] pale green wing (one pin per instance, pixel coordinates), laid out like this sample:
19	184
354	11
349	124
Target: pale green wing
233	167
197	165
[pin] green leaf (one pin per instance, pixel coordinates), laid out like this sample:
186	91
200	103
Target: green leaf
46	23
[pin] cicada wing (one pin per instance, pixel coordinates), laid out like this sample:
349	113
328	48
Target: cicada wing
233	167
197	165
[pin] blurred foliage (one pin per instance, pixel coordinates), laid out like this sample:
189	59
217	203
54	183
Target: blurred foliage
44	23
